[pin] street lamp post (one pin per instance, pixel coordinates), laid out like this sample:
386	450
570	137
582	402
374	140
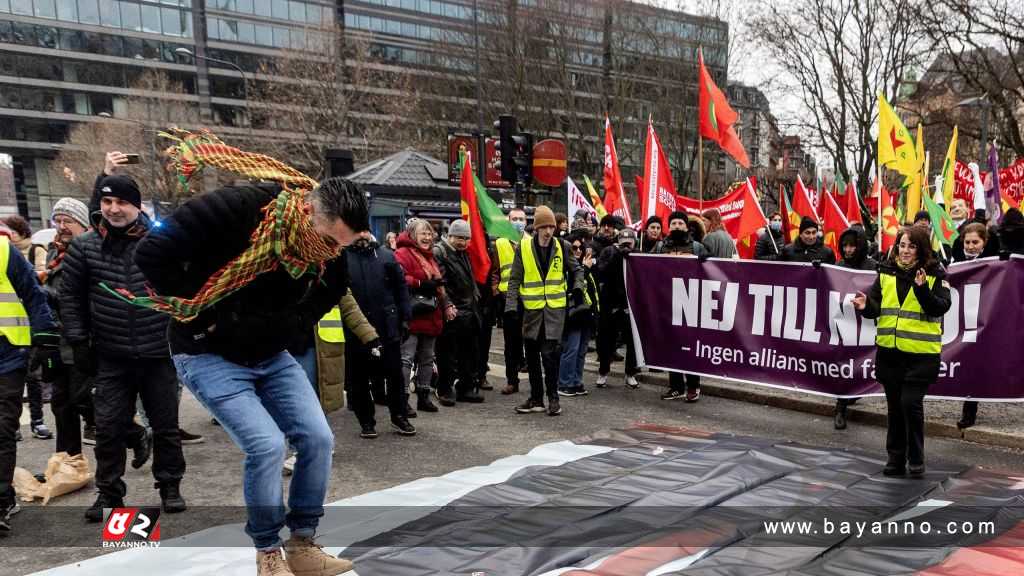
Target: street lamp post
983	103
182	51
146	131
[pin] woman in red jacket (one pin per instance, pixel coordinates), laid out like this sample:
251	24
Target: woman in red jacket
426	291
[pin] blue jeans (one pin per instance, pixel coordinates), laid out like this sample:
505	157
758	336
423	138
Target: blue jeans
308	362
574	355
264	408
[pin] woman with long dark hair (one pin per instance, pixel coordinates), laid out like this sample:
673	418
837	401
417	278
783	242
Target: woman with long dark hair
908	299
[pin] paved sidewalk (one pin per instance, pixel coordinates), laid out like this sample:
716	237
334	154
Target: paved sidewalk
999	423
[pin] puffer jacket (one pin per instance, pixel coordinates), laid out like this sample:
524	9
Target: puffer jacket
800	252
378	285
89	311
429	324
255	322
862	259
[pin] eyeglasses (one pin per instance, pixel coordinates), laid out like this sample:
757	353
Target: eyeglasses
62	221
576	247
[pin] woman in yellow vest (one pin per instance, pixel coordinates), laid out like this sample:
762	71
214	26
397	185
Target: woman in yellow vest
908	300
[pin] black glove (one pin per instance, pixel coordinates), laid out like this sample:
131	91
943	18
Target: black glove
1004	255
429	286
85	360
703	257
45	355
403	331
375	347
816	263
577	296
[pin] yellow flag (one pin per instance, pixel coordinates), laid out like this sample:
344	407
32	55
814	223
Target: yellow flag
949	172
895	146
918	180
595	199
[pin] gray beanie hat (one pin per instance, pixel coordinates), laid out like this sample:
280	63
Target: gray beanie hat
459	228
72	208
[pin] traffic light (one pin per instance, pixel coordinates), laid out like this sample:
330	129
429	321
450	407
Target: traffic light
516	151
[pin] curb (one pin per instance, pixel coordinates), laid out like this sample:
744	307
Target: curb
757	395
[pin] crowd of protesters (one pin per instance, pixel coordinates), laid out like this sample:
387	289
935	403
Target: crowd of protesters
380	318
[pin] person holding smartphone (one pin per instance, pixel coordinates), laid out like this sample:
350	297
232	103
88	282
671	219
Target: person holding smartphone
908	299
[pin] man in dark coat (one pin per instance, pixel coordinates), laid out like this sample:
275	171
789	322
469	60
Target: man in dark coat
614	317
458	353
233	356
128	345
378	284
808	246
770	245
606	233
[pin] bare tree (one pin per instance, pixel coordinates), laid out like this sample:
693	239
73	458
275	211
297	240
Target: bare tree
335	94
839	56
161	103
981	50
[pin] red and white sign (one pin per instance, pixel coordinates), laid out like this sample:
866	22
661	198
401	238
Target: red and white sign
492	165
1011	182
549	162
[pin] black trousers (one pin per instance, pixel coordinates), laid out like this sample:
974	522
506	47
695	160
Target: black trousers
611	324
360	368
11	386
513	334
487	319
34	386
71	404
542	359
904	440
118	382
683	382
458	355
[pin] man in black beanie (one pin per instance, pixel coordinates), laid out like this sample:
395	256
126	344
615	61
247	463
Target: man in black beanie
808	246
126	346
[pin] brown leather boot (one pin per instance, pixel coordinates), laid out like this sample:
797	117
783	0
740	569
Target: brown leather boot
272	564
306	558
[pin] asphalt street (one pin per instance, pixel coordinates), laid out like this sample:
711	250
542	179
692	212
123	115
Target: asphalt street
454	438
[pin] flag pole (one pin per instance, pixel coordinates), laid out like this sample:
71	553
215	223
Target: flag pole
700	171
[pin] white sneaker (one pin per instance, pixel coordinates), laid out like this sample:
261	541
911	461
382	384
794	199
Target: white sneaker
289	465
631	382
602	381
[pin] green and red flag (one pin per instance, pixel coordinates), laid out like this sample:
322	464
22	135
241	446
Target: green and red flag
479	259
716	117
942	224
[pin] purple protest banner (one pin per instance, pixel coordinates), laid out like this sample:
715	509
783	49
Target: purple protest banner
792	325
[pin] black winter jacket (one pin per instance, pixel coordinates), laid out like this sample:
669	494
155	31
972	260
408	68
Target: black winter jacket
90	312
378	285
609	274
459	284
765	250
800	252
892	365
254	323
861	258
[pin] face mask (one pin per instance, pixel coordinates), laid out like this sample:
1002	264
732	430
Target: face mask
519	226
776	226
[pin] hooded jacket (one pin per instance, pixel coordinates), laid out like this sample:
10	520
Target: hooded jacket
766	250
429	324
800	252
378	284
861	259
1011	232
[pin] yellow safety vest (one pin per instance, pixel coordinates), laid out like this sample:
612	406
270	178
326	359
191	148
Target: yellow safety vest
14	322
329	328
595	304
537	292
906	327
506	254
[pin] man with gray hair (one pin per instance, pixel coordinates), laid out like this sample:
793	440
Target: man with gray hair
458	352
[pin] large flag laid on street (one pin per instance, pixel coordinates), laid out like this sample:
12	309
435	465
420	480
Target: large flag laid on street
478	257
833	224
895	146
949	172
614	194
577	201
658	197
751	220
594	199
716	117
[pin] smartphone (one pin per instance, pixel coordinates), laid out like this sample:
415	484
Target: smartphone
131	159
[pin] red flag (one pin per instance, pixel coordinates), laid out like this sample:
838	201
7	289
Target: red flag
802	204
888	224
790	228
716	117
852	204
750	221
658	197
478	257
614	194
833	222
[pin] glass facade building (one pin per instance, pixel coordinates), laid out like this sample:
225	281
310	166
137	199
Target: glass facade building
64	62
